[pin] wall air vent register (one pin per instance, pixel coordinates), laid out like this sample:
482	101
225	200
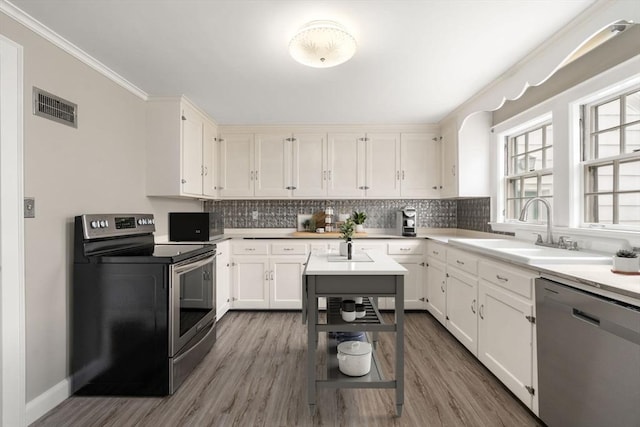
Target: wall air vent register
54	108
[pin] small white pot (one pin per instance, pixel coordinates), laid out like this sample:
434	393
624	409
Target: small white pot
359	228
354	358
627	265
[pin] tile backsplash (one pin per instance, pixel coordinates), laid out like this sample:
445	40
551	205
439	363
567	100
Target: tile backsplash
471	214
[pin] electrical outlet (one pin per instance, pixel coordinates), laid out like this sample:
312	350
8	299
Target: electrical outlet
29	207
254	215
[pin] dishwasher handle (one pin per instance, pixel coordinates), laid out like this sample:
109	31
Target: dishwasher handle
589	318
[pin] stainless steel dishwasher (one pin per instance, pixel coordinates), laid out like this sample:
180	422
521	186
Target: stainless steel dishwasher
588	358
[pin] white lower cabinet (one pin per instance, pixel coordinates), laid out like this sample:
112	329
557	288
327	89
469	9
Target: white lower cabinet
285	282
414	284
462	303
507	330
223	279
250	282
436	285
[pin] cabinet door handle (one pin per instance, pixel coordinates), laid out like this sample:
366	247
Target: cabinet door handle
256	175
403	175
473	307
266	275
442	287
435	187
435	252
324	175
398	175
453	170
271	275
504	279
481	311
329	175
251	175
184	181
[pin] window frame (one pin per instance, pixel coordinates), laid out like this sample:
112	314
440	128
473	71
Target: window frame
588	152
509	160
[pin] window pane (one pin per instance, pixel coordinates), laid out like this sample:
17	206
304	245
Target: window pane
548	156
535	140
601	179
608	144
629	176
519	145
632	107
632	138
546	185
530	187
629	210
608	115
549	134
513	188
513	208
519	164
599	209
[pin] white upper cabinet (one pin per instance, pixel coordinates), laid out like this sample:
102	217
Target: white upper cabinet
272	169
180	150
236	165
420	165
308	175
382	160
345	173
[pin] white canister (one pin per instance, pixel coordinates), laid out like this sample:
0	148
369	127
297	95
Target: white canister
354	358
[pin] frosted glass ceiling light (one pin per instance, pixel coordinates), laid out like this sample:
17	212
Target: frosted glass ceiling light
322	44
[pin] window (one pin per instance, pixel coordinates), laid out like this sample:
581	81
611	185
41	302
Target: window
611	160
529	170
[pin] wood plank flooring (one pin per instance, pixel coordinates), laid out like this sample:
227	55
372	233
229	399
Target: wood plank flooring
255	376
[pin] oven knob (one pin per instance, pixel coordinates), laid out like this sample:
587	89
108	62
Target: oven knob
103	223
152	221
140	221
95	224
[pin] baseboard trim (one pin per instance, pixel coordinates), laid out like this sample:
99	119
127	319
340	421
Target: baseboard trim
48	400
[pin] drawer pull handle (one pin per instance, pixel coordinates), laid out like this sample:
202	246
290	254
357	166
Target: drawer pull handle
288	249
504	279
459	262
436	252
405	249
249	249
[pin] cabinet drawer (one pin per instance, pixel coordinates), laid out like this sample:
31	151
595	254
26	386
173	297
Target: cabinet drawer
292	248
250	248
513	279
364	247
462	260
437	251
405	248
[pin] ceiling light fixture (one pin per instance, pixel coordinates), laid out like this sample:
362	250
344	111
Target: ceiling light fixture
322	44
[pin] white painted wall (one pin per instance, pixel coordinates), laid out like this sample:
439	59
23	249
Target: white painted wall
98	167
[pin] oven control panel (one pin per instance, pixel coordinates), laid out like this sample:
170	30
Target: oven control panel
99	226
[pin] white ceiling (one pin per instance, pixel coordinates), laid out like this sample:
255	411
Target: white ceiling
416	61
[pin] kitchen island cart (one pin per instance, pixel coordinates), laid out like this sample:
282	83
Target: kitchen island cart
370	275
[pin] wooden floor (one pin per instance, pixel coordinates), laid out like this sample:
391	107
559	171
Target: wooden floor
254	376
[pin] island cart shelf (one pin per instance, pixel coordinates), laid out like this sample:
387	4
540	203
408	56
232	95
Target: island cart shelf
381	277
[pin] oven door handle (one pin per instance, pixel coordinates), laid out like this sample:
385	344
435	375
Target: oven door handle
193	265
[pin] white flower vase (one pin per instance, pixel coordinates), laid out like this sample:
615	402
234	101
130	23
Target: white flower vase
343	248
359	228
626	265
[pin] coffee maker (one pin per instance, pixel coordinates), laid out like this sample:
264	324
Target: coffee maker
407	221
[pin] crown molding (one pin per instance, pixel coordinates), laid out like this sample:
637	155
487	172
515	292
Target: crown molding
43	31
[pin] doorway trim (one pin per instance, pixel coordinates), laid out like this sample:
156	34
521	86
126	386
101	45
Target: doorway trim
12	271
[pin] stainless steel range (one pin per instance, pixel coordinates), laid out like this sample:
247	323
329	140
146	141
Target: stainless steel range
143	315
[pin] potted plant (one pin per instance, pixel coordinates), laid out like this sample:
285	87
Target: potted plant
626	261
346	233
359	219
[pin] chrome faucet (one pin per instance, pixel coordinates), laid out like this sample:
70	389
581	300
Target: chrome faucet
523	217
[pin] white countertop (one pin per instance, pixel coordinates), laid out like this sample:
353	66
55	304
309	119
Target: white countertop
378	264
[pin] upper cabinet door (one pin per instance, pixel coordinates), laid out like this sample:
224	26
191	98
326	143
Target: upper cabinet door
420	165
272	169
344	174
449	161
210	153
236	166
192	167
383	165
309	168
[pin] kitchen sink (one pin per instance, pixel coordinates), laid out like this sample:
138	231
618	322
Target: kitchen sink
528	253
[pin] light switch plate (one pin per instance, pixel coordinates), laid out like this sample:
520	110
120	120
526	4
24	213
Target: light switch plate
29	207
